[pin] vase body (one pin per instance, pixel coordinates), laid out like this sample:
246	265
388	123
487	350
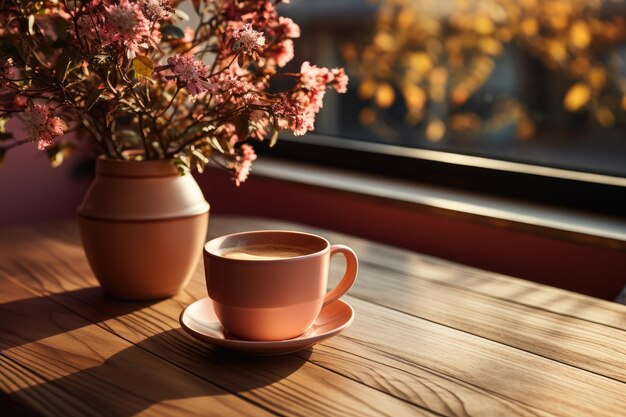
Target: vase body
143	227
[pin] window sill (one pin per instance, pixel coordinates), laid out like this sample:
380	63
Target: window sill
570	225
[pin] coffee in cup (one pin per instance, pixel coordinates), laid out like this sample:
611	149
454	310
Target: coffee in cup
266	251
271	285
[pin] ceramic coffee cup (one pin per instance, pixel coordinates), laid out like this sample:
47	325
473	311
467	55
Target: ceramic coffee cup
262	297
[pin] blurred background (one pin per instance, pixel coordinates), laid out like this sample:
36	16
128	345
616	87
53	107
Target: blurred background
534	81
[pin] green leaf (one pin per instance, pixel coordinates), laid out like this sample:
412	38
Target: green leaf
181	15
61	67
143	66
273	138
172	32
55	155
182	164
31	24
4	135
128	138
100	59
242	125
199	160
93	98
275	131
216	144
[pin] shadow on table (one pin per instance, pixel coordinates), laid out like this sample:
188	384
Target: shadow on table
32	319
136	378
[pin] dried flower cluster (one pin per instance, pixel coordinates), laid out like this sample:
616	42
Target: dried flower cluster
124	73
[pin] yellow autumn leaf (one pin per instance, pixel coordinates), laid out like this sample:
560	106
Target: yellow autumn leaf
367	88
484	25
597	77
557	22
579	34
529	27
556	49
577	97
439	76
580	66
525	129
143	66
504	35
435	130
605	116
385	42
385	96
420	62
367	116
463	122
415	98
490	46
406	19
349	52
529	4
438	82
460	94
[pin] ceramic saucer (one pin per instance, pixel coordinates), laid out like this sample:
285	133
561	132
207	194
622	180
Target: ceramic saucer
200	321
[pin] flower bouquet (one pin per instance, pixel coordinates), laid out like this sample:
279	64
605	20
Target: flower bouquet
132	78
146	90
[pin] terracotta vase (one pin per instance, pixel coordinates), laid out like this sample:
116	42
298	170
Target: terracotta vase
143	227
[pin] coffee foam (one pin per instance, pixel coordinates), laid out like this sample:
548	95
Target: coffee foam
265	252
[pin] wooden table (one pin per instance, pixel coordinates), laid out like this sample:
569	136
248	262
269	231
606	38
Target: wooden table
430	338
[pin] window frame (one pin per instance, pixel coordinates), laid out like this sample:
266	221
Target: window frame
590	192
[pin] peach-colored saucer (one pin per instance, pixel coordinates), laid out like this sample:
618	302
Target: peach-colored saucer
200	321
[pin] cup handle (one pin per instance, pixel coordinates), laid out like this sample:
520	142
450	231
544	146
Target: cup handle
352	267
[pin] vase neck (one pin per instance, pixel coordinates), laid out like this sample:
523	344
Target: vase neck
124	168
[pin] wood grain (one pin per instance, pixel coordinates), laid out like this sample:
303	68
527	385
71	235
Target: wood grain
79	369
512	373
270	383
569	340
463	355
454	394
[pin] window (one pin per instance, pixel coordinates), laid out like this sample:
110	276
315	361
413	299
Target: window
475	94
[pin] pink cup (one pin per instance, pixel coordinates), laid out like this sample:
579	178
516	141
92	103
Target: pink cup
273	299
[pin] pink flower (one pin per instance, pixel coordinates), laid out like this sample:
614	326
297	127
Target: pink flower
314	78
41	126
295	112
8	71
157	9
192	73
125	25
340	80
289	28
231	84
247	39
283	53
243	164
20	101
87	25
